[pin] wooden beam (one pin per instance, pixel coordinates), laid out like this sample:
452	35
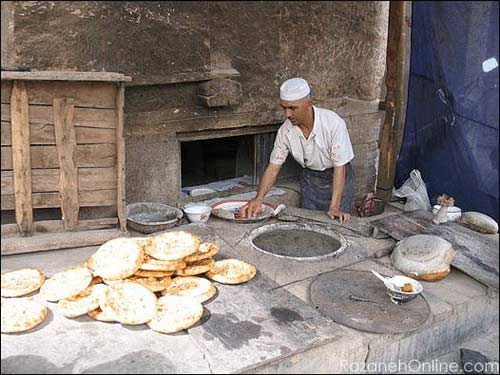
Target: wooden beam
65	76
21	158
53	226
52	241
120	164
65	137
398	63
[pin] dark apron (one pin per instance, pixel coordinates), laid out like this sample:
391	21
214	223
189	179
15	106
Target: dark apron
316	189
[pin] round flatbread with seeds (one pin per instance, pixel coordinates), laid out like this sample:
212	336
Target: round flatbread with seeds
173	245
206	250
151	264
197	268
117	259
82	303
197	288
21	314
154	284
144	273
173	314
66	284
21	282
231	271
130	302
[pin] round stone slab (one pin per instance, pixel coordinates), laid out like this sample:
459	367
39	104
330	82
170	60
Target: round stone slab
357	299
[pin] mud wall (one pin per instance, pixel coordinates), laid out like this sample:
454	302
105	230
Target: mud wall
172	49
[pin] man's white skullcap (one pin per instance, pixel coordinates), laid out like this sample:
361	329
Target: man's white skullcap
294	89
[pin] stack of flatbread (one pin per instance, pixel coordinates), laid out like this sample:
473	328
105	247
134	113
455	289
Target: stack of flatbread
156	281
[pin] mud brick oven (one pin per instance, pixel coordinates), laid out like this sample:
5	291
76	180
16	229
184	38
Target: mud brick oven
202	103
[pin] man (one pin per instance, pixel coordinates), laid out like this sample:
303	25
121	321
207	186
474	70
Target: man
319	142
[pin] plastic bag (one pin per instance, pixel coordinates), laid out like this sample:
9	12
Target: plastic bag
415	192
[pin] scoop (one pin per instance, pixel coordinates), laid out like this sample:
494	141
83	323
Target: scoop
387	280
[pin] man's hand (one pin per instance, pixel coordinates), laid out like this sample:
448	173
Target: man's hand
252	208
335	211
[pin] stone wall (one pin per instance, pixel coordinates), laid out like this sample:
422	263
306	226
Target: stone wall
171	49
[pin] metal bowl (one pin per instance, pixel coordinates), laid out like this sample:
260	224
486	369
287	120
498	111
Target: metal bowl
148	217
400	297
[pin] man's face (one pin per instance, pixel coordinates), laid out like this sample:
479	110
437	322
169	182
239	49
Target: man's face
297	111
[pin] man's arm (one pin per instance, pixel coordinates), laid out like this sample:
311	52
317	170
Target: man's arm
254	207
337	190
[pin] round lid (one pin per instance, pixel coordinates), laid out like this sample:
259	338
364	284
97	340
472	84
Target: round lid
423	248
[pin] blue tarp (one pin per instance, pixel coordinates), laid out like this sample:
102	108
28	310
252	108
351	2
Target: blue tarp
451	130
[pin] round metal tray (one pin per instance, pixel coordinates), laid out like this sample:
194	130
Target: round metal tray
148	217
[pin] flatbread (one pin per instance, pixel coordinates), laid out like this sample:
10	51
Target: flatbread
66	284
173	245
197	288
174	314
197	268
130	302
144	273
102	316
21	282
205	250
21	314
117	259
151	264
154	284
231	271
83	302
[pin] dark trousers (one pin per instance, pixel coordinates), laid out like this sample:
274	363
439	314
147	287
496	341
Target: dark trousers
316	189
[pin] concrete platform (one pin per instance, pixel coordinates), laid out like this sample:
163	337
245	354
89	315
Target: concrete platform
264	326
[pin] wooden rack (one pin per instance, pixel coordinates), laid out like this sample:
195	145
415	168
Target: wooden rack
62	147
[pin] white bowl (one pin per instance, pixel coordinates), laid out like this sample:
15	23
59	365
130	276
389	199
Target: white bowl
454	213
198	213
398	296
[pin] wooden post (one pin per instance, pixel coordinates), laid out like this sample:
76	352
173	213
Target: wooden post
65	135
398	63
120	144
21	158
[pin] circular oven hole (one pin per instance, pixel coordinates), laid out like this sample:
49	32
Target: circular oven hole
298	240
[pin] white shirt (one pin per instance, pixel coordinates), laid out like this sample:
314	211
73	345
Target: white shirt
327	146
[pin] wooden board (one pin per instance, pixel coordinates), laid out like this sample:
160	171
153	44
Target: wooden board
21	157
51	241
52	75
89	155
47	180
89	117
43	134
52	226
50	200
120	164
477	255
66	147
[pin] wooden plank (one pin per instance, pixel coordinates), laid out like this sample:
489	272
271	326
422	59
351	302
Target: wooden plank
66	147
65	76
52	241
54	226
21	158
6	91
43	134
398	62
47	180
89	117
477	254
51	200
120	143
92	156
